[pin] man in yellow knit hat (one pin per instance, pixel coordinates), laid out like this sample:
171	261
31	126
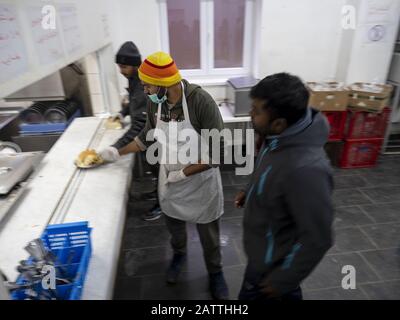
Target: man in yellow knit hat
188	192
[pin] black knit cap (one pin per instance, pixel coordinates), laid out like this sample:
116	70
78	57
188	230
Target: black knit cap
128	55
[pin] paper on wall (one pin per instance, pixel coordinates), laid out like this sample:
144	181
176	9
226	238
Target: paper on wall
70	27
13	54
47	42
380	11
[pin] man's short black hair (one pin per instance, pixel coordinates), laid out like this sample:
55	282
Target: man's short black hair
284	94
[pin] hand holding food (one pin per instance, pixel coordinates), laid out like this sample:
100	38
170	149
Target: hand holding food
117	117
109	154
115	122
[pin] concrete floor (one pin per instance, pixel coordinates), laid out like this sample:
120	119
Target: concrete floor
367	232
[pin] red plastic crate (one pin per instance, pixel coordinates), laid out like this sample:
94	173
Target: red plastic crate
360	153
334	151
337	122
363	125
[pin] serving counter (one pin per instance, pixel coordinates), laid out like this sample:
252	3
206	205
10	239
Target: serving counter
59	192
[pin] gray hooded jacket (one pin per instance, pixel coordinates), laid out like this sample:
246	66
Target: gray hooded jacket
288	215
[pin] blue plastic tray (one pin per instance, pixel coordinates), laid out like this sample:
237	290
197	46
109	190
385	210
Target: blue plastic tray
39	128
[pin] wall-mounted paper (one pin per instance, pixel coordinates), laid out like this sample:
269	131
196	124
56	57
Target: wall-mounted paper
47	41
70	26
13	55
380	11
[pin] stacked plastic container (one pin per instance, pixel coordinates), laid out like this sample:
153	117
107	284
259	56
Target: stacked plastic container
358	116
331	98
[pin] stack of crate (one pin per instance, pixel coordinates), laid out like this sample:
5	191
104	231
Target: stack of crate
368	116
331	98
358	117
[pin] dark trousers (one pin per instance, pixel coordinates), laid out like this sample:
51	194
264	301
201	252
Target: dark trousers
155	169
138	171
251	290
209	238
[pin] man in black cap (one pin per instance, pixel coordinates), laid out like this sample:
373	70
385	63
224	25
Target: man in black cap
129	59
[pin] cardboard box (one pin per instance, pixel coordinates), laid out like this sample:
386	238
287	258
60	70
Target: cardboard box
328	96
369	97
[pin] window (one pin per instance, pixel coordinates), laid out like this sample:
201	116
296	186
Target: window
208	37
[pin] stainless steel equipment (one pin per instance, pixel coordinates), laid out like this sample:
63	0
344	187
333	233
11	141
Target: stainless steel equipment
7	147
36	143
9	120
7	201
238	95
58	86
14	168
6	118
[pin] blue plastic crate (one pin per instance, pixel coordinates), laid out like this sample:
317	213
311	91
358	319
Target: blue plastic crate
71	243
39	128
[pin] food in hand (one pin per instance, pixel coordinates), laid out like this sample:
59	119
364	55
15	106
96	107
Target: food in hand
113	123
89	158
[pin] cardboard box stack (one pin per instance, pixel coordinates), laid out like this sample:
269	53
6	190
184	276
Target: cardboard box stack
328	96
331	98
367	120
358	115
369	97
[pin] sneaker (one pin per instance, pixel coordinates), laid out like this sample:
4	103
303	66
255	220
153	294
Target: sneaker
175	268
218	287
153	214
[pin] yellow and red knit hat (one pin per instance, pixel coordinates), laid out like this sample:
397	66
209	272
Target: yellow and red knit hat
159	69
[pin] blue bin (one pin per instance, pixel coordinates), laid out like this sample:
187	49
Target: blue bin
41	128
71	243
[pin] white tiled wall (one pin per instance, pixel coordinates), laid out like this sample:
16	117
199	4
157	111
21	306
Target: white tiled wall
93	79
94	83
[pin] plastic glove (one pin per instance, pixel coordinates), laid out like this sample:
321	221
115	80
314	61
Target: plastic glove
109	154
175	176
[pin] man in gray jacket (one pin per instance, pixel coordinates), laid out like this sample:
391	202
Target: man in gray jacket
129	59
288	209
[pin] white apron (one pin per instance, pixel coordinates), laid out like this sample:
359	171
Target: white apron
198	198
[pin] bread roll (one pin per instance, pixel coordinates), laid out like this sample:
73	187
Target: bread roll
88	158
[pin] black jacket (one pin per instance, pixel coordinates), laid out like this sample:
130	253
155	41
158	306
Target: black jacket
137	111
289	214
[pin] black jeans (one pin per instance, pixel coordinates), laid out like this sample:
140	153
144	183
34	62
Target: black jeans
251	290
